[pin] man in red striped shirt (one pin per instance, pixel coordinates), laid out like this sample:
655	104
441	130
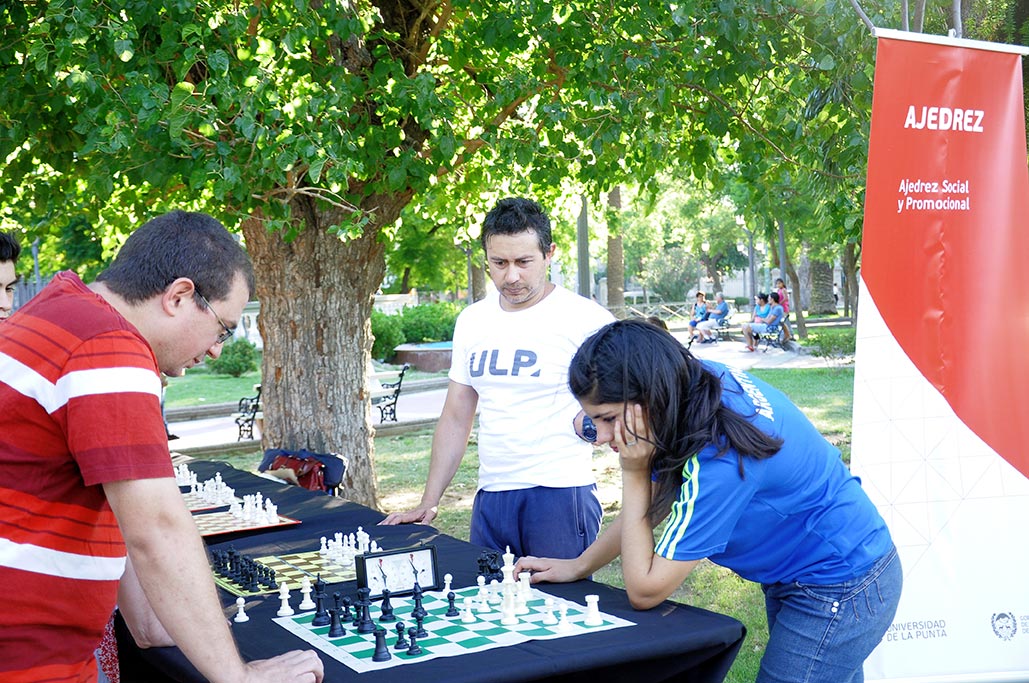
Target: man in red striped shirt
86	480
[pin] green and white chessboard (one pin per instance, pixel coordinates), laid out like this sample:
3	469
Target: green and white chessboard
448	636
292	568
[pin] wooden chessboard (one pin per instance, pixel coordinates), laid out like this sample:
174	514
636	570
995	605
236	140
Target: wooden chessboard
292	568
448	636
215	523
195	503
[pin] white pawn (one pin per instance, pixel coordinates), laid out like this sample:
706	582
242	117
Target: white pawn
324	550
241	614
285	610
495	595
548	612
593	617
564	625
467	616
305	589
447	580
481	581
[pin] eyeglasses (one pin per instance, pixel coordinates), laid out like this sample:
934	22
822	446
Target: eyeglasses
227	334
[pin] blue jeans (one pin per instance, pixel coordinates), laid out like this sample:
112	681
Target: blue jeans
542	521
823	634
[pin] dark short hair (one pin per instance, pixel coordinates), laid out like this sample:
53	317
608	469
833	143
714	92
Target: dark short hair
9	247
178	244
761	296
515	215
774	296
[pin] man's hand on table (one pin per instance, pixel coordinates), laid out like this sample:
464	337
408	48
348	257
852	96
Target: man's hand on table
300	666
420	515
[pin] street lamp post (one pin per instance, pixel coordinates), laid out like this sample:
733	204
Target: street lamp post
705	247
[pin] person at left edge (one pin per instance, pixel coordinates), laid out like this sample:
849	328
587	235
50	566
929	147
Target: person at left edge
87	488
9	250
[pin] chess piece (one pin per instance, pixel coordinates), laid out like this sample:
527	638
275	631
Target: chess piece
593	617
364	622
305	589
321	616
386	607
467	616
413	650
452	609
447	580
381	653
241	614
419	629
284	609
548	612
563	625
401	640
336	629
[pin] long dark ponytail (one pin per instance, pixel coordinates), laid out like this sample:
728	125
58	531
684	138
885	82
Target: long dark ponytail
632	361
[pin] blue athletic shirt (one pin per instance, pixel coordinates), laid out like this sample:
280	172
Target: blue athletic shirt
796	516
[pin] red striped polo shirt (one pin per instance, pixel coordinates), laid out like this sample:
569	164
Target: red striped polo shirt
79	406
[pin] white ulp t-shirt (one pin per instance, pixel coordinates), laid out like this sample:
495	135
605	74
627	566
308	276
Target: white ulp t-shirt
517	362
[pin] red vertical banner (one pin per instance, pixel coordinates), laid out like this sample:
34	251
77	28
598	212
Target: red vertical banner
941	380
945	251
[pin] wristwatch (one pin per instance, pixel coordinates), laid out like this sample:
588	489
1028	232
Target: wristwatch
589	430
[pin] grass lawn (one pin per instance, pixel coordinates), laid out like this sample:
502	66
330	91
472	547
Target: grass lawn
200	386
824	394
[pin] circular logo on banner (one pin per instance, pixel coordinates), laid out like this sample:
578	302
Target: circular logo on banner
1004	625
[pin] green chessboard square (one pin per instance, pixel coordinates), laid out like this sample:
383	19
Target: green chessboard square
471	643
450	629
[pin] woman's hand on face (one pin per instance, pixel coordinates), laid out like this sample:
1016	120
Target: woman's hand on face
632	440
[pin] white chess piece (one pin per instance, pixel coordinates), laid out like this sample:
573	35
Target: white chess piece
563	624
507	610
548	612
593	617
284	610
305	589
467	616
241	614
508	557
447	580
495	595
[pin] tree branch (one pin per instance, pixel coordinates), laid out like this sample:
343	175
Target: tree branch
864	17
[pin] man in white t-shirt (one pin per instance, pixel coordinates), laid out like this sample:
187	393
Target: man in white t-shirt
537	493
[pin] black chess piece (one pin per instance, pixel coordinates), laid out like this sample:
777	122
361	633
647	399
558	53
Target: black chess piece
381	653
401	640
336	629
418	609
452	610
346	608
386	608
420	630
321	616
413	650
319	585
364	621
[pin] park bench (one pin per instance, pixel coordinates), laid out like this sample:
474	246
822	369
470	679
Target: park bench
385	390
249	408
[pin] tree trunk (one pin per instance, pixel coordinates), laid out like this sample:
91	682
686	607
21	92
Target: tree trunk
478	280
313	376
822	302
712	272
615	255
850	289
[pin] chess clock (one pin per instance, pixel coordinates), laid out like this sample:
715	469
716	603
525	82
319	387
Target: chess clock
398	570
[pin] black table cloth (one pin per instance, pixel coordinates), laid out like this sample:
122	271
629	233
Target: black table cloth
669	642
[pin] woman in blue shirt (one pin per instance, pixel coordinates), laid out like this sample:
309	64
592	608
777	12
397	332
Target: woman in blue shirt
745	480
